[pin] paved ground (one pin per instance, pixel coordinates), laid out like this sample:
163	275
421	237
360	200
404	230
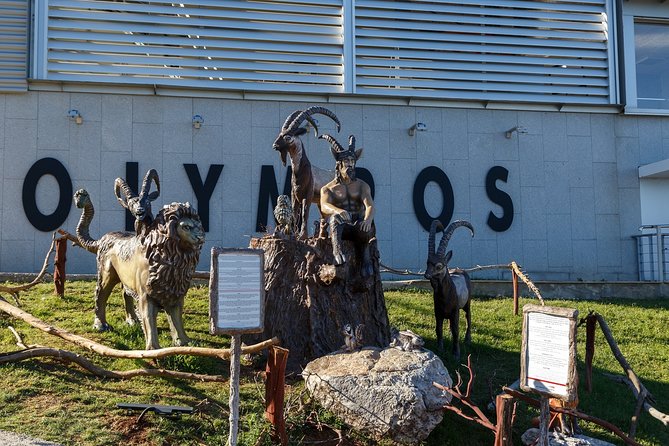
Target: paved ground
12	439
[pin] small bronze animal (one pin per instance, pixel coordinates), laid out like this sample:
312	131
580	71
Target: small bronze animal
353	338
283	214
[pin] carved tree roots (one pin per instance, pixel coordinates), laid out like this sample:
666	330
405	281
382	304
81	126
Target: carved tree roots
309	300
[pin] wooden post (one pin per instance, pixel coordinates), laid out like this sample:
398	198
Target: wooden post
275	378
514	277
590	327
59	266
505	405
544	421
236	352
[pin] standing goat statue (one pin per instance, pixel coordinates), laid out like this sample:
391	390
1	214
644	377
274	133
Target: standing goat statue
452	289
306	180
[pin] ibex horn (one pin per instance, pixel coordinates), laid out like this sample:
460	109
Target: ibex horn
290	119
351	143
335	147
120	184
436	226
449	232
306	114
146	184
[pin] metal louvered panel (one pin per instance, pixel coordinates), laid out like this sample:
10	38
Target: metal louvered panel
491	50
241	44
13	45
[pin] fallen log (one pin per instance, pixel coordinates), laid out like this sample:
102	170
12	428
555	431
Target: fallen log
129	354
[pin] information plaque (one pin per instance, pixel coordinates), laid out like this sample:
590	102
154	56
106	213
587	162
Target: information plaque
236	291
548	357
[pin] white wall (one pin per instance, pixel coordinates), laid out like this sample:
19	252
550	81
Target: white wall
573	177
654	201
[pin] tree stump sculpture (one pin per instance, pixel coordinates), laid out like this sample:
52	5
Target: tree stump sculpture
309	300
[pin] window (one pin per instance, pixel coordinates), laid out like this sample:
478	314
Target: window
645	44
651	48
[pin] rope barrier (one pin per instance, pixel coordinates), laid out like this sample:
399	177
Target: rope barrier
513	267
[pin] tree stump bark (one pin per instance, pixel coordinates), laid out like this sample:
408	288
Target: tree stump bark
309	300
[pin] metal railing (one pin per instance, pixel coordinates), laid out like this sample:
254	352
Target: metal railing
653	253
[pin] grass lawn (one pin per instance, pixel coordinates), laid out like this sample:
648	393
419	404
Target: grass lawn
62	403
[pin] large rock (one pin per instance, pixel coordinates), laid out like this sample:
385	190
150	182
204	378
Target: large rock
556	439
382	393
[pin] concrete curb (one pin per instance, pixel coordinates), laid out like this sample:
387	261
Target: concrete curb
484	288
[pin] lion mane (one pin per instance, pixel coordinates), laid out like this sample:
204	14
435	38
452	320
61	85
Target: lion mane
171	262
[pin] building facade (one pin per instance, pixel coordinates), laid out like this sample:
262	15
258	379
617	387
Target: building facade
545	124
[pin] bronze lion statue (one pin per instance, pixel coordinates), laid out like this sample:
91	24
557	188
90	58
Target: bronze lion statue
155	267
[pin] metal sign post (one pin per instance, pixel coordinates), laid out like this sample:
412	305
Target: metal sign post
548	357
236	306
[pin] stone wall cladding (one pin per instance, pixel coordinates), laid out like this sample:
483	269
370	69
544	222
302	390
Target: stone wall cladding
572	177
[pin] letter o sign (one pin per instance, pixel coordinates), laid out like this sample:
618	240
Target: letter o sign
53	167
435	174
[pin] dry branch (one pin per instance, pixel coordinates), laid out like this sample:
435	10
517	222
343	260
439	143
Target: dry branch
130	354
70	237
631	380
574	413
634	379
84	363
455	391
514	266
653	412
15	290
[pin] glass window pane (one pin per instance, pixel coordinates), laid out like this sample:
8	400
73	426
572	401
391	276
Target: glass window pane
651	41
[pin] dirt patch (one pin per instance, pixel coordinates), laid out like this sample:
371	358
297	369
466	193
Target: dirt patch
134	433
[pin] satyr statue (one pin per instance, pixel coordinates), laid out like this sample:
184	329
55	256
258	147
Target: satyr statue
347	203
155	268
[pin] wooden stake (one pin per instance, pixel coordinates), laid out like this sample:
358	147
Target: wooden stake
236	351
59	266
514	277
590	327
275	378
504	404
544	421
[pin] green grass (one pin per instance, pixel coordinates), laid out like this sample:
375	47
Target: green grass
60	402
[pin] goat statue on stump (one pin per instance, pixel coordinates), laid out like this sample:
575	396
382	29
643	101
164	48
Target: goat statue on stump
306	180
452	289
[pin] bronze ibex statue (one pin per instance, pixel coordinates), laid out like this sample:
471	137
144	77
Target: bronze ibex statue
452	289
306	180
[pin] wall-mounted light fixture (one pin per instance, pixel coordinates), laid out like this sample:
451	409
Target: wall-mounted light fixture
75	116
197	121
518	129
417	127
